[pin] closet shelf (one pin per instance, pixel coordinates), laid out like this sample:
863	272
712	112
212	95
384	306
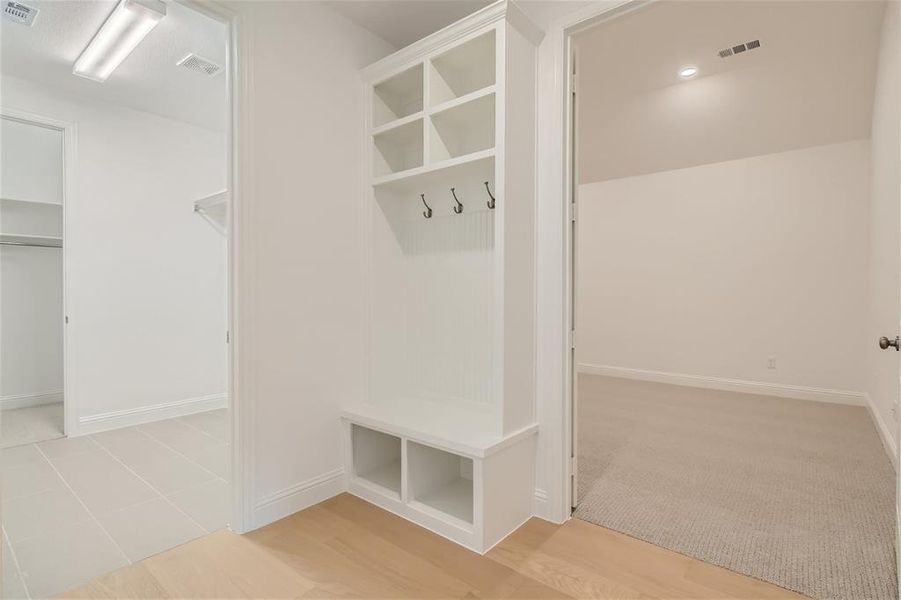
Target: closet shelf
471	97
214	210
396	123
31	240
41	202
470	433
411	178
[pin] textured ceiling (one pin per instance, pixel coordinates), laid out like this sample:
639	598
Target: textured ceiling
402	22
810	83
147	80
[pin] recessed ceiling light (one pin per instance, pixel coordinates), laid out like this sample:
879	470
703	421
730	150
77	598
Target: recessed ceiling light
688	72
126	26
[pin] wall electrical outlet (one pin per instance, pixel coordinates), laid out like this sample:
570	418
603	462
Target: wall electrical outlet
771	362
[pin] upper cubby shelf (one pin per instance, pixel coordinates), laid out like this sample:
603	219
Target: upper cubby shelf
477	165
398	96
463	128
398	149
462	70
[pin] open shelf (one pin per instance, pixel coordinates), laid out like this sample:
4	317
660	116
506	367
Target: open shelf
23	201
462	70
396	124
399	149
31	240
440	481
25	217
488	91
377	459
214	210
462	129
397	96
477	164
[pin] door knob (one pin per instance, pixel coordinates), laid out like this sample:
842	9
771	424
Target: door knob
885	343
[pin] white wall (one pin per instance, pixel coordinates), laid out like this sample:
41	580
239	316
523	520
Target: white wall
885	217
147	292
300	308
711	270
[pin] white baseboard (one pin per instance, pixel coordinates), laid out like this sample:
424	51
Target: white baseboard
885	433
299	496
779	390
26	400
147	414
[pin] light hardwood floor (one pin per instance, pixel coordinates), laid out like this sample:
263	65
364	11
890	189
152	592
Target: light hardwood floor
347	548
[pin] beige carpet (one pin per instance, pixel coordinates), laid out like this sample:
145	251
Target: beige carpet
801	494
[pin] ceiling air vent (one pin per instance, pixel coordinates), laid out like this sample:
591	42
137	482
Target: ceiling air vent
739	48
19	13
193	62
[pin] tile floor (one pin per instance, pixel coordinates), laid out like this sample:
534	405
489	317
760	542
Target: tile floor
32	424
76	508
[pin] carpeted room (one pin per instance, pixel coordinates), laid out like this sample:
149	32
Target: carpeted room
737	255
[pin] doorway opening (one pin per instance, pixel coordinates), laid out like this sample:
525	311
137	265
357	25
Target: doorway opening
32	196
735	258
143	216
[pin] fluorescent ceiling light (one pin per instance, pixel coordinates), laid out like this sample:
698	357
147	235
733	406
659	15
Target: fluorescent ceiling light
123	30
688	72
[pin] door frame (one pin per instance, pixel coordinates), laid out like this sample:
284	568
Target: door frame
557	171
557	174
238	301
240	406
69	149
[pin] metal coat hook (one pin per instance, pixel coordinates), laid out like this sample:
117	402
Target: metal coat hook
427	213
459	208
491	202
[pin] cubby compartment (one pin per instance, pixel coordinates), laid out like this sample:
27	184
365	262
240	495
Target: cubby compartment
462	70
397	97
462	130
440	481
377	459
398	149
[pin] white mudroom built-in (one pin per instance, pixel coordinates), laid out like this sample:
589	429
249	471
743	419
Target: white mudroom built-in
445	434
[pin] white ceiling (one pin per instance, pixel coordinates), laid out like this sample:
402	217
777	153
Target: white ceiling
402	22
147	80
811	82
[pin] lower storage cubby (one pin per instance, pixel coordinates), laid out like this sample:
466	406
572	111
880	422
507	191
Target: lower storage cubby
472	494
440	481
377	458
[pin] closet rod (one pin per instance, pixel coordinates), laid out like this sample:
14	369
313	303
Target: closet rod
31	244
